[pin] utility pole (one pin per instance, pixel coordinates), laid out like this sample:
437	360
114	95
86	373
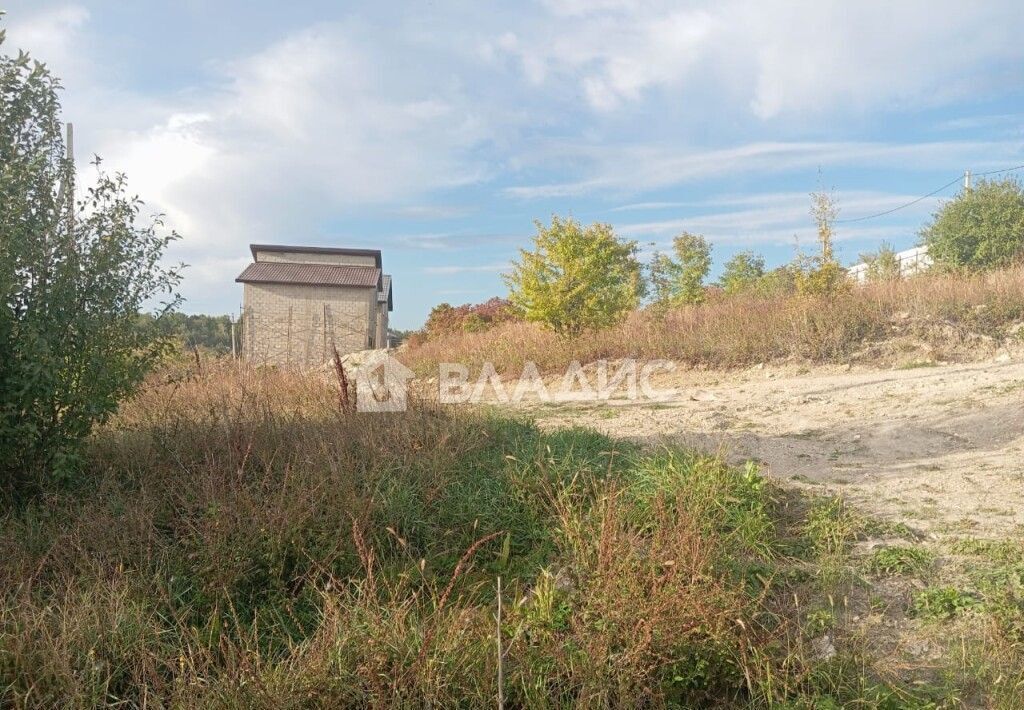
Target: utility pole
70	148
967	180
234	350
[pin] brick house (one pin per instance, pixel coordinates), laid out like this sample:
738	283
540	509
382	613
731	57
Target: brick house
301	302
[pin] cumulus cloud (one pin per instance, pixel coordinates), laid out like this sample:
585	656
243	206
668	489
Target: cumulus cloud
307	121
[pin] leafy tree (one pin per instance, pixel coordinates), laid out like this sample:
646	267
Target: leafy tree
681	280
576	277
74	276
883	265
742	272
821	274
981	228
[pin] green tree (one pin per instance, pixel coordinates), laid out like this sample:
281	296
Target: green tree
742	272
576	277
980	228
681	279
195	331
73	278
883	265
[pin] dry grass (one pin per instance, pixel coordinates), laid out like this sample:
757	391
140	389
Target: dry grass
241	539
951	313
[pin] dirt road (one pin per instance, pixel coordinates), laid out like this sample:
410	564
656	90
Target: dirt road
939	447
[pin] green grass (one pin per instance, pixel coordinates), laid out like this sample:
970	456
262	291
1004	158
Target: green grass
917	364
876	527
890	561
942	603
831	528
995	550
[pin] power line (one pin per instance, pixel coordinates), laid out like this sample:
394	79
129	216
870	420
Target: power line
1005	170
897	209
925	197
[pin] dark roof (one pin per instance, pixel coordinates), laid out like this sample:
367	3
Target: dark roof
375	253
277	272
384	295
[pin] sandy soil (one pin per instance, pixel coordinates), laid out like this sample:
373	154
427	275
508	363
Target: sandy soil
939	447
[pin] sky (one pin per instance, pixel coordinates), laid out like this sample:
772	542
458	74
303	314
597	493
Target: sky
439	132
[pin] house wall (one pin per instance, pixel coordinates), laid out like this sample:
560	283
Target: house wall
285	323
295	257
382	325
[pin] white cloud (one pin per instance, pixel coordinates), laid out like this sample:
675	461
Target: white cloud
163	159
779	58
464	269
48	35
303	128
779	218
635	168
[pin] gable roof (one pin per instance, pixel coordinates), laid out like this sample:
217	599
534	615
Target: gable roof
278	272
254	248
384	295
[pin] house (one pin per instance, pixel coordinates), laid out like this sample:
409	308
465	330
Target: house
299	303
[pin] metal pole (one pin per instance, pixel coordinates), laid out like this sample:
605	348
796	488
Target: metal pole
234	350
967	179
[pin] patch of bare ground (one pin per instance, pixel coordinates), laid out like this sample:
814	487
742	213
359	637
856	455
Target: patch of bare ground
928	456
937	446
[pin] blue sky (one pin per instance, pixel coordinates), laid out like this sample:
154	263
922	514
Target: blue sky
439	131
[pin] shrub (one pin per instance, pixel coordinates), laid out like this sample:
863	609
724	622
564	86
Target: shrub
883	265
73	278
469	318
576	277
981	228
780	281
816	278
